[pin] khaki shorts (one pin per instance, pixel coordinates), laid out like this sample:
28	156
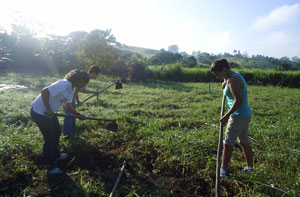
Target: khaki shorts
237	128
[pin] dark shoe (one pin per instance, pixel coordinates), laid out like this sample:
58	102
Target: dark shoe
247	169
55	171
223	172
62	156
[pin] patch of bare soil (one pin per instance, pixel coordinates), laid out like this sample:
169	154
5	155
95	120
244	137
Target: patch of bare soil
10	86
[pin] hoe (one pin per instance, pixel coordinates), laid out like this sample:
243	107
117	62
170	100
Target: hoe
111	126
118	86
220	147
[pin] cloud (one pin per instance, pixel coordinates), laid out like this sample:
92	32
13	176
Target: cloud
282	15
221	42
279	44
280	38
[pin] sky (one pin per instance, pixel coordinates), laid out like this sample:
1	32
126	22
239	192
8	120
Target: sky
265	27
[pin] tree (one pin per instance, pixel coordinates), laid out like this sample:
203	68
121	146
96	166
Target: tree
285	59
166	57
173	48
296	59
183	53
103	36
283	67
237	53
24	49
189	61
205	58
245	54
4	54
225	55
196	53
137	71
95	49
234	65
60	52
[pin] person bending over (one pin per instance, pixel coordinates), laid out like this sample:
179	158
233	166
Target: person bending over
69	126
43	110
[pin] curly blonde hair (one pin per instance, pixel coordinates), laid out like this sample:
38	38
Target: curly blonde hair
77	75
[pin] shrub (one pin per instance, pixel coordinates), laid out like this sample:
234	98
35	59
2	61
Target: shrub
175	72
136	70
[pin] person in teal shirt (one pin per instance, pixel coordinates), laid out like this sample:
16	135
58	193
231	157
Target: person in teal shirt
238	115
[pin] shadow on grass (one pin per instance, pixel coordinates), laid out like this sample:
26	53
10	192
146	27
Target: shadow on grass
103	165
63	185
100	165
14	184
169	85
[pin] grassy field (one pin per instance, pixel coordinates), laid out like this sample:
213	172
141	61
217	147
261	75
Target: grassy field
168	134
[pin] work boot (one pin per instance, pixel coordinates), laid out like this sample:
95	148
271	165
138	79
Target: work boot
247	169
55	171
223	172
62	156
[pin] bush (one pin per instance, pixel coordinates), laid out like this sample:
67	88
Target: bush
120	69
137	71
189	62
175	72
165	57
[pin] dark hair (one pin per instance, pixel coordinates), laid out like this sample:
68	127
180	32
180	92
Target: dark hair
77	75
218	65
94	69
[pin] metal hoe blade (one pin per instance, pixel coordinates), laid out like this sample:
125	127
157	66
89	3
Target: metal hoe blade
119	85
112	127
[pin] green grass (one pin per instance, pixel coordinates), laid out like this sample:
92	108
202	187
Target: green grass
168	133
175	72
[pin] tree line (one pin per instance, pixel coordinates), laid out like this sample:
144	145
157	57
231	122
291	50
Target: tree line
22	51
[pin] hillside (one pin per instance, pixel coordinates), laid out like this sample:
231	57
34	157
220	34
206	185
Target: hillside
142	51
204	59
81	49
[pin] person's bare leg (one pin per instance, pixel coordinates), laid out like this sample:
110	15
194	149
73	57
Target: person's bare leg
226	155
248	154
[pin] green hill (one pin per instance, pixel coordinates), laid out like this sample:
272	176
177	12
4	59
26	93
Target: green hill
142	51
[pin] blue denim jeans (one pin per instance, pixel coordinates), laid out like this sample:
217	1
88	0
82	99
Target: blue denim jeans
51	131
69	123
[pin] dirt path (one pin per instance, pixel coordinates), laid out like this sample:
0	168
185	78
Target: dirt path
6	86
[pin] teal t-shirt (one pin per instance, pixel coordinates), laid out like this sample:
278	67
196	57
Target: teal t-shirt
244	109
